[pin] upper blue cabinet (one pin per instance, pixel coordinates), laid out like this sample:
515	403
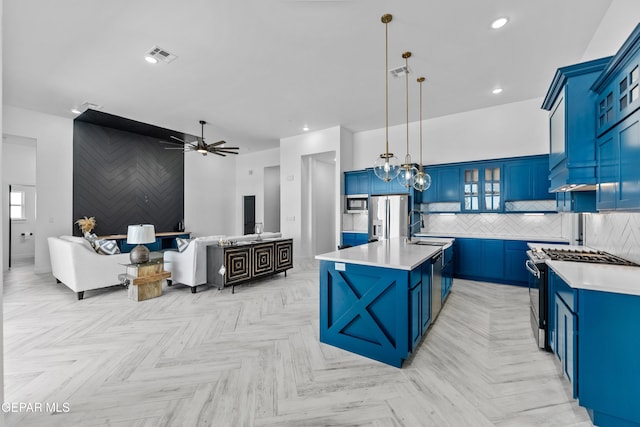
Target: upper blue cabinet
445	185
572	146
527	178
356	182
618	129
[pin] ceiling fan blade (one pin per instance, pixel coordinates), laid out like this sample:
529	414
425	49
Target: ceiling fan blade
218	153
178	139
174	148
226	148
170	142
215	144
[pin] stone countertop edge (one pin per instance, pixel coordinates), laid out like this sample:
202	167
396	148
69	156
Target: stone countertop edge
598	277
393	254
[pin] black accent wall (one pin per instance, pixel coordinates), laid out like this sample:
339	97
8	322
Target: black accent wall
124	178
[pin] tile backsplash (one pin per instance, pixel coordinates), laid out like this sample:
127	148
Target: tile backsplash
355	222
617	233
488	225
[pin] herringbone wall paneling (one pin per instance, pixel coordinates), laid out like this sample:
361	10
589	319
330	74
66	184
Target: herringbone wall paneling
123	178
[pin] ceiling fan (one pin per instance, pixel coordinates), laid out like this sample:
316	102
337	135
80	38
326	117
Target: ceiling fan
200	146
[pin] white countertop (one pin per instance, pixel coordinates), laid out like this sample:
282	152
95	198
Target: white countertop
355	231
598	277
393	253
495	236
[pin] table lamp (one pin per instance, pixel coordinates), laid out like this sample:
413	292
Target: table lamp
139	235
259	229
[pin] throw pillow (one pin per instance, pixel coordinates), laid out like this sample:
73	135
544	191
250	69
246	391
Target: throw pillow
182	244
106	247
91	237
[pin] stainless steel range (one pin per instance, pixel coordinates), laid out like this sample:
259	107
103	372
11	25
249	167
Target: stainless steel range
538	286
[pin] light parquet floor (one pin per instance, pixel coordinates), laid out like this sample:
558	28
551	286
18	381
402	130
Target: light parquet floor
254	359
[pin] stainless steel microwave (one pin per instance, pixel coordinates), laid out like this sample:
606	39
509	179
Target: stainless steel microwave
356	203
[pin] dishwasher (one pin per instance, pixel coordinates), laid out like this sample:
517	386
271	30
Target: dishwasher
436	286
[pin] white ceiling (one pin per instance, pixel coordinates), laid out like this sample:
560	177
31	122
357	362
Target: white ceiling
258	70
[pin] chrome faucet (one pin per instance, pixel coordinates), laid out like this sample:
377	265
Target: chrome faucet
411	224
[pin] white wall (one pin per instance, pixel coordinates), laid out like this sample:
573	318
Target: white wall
616	25
509	130
272	198
291	151
209	189
3	216
249	180
54	174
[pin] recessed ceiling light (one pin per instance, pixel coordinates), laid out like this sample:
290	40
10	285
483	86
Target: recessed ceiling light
151	59
497	91
499	23
76	111
305	128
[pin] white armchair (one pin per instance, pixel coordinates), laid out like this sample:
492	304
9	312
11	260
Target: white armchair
189	267
75	264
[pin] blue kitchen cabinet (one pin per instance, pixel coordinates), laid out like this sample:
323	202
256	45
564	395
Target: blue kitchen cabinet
576	201
354	239
515	256
479	259
608	348
527	179
564	325
467	257
425	307
376	312
571	106
618	112
356	182
618	171
419	303
482	187
379	187
447	271
445	185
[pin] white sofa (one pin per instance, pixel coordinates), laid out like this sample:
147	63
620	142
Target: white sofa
189	267
79	267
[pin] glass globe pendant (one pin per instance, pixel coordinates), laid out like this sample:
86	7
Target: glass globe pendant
386	167
422	179
408	172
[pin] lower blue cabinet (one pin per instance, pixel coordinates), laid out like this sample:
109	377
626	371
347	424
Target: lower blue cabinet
479	259
355	239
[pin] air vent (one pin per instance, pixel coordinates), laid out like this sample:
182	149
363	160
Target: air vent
400	71
161	54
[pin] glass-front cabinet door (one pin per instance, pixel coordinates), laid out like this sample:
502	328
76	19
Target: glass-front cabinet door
471	188
492	189
482	189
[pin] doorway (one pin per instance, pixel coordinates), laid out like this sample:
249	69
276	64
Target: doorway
22	223
272	198
249	214
318	203
19	200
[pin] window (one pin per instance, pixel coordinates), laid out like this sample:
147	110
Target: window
16	205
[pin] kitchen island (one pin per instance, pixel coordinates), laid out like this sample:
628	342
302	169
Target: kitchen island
376	299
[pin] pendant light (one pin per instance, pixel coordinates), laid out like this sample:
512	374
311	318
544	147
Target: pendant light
408	172
386	166
422	180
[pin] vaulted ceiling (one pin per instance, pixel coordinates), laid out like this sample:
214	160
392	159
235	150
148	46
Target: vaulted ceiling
259	70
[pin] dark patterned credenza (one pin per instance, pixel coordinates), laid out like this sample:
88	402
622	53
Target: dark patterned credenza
245	261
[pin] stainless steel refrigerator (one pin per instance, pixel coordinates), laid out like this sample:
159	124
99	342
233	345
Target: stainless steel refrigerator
388	216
